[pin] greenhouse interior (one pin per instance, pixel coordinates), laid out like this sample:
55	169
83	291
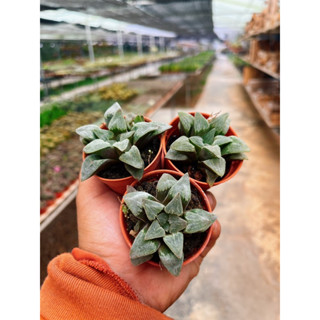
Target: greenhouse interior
152	61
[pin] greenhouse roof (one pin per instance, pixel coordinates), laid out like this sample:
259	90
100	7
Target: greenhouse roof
191	18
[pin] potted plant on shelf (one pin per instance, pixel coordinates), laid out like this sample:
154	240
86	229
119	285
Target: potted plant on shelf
121	149
166	219
206	147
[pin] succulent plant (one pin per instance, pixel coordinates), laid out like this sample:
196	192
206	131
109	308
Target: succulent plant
203	142
162	220
119	143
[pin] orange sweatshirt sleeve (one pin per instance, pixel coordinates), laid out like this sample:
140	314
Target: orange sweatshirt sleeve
81	286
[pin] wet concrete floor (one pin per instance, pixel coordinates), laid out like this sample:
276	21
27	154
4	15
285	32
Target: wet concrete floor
239	278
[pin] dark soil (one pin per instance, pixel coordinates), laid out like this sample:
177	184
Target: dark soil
192	242
118	170
192	168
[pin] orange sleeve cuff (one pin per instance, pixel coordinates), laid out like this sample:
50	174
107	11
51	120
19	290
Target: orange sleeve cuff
82	286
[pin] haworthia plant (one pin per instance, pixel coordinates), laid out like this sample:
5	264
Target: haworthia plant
162	221
203	141
119	143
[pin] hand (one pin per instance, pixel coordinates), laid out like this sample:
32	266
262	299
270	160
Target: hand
99	233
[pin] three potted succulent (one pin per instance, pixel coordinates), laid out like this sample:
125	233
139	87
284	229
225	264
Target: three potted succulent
205	147
165	216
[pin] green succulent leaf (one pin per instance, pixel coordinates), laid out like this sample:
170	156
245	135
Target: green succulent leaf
164	184
134	201
217	165
141	247
118	123
176	223
141	260
122	146
182	186
126	135
221	140
238	156
138	118
86	133
136	173
209	152
201	124
169	260
197	142
96	146
176	155
211	177
152	208
175	206
221	124
185	122
142	129
209	136
92	164
132	158
198	220
110	113
103	134
155	231
182	144
236	146
163	218
175	243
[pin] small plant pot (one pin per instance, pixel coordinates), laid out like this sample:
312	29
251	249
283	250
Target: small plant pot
120	185
168	164
155	175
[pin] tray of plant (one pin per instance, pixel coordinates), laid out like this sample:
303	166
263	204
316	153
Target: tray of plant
166	219
122	149
205	146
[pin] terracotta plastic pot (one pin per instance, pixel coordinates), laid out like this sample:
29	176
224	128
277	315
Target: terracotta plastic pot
168	164
155	175
120	185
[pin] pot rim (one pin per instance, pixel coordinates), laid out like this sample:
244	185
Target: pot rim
204	197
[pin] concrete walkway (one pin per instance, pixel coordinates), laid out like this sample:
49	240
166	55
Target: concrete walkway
239	279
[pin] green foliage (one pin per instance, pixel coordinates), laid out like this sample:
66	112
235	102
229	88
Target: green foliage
190	64
119	143
163	220
48	116
203	141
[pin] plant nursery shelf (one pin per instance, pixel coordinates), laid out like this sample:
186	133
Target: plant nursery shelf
272	30
264	115
261	68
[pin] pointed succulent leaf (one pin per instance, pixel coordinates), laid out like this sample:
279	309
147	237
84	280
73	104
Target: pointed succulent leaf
86	133
110	112
237	156
201	124
141	260
182	144
169	260
152	208
198	220
186	122
141	129
221	140
221	124
138	118
182	186
103	134
209	152
160	128
134	201
164	184
155	231
176	155
136	173
132	158
175	206
138	226
197	142
211	177
175	243
122	146
217	165
176	223
126	135
130	189
92	164
236	146
162	218
96	146
118	123
209	136
141	247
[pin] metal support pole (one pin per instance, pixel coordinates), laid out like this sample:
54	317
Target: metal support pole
120	43
151	43
139	44
161	40
89	41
